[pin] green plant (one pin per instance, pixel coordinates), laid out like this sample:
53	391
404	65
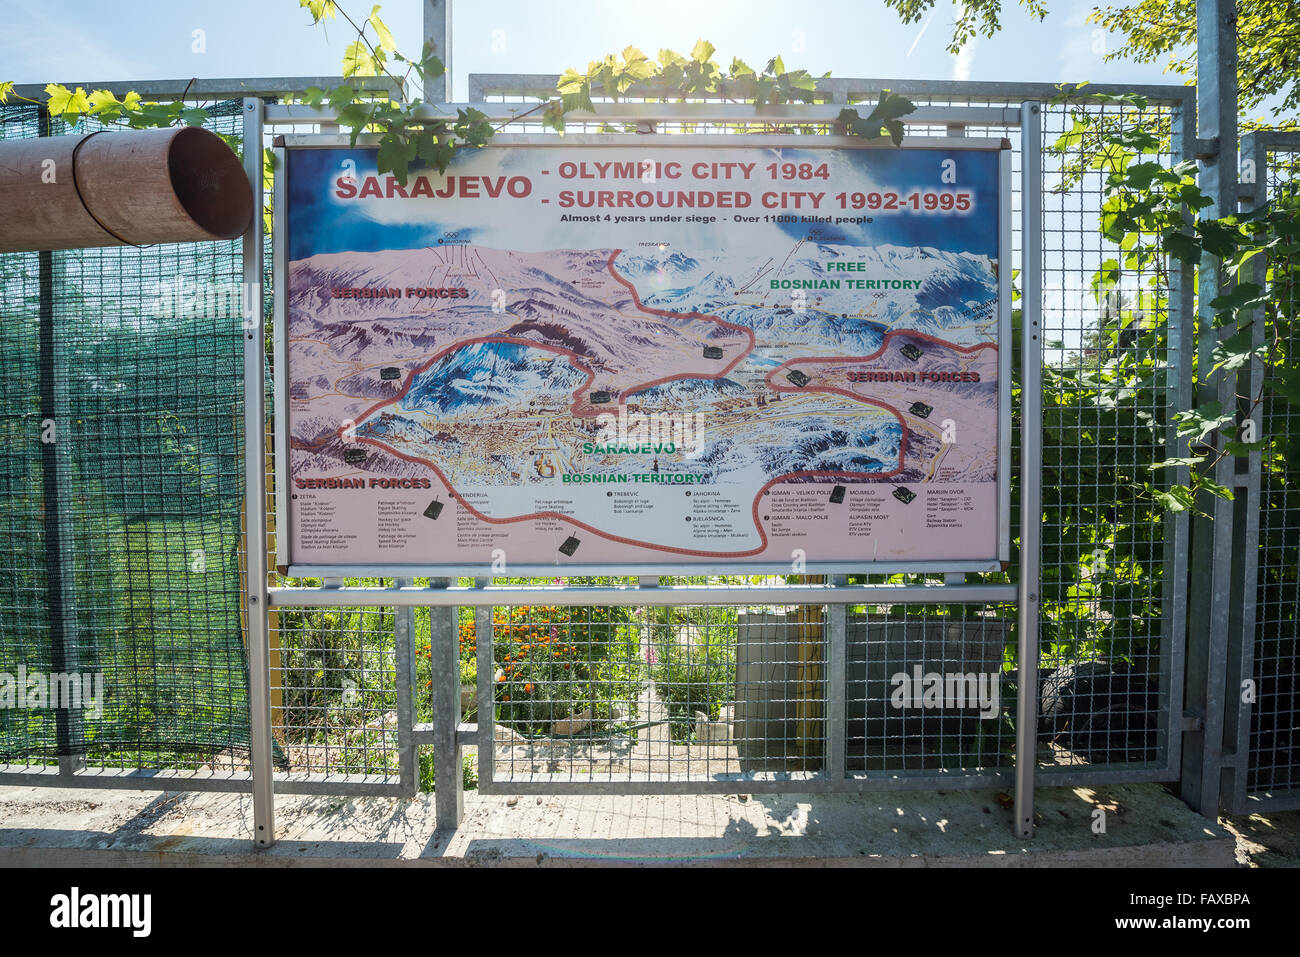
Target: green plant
415	131
554	662
468	771
693	666
1147	213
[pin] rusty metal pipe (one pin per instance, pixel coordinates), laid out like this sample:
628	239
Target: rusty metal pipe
175	185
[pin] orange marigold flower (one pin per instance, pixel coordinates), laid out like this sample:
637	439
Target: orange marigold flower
528	688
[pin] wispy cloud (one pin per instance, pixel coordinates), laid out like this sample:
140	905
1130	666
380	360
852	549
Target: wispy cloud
965	58
925	26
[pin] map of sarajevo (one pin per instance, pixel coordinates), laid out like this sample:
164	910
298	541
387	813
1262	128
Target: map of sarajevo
548	357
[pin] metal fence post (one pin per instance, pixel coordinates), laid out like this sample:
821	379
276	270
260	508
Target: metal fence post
444	647
1238	708
485	692
437	35
68	727
1212	572
837	617
408	762
259	653
1031	461
1181	324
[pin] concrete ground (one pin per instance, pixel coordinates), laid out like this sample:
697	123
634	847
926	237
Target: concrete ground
1266	839
1144	826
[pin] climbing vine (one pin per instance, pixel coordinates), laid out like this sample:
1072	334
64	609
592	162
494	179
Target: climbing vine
412	129
1148	213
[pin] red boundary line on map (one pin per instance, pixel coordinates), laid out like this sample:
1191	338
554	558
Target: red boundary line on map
578	363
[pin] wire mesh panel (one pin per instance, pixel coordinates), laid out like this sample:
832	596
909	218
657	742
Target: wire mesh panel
26	735
930	690
735	697
1111	372
1274	748
334	692
144	345
130	494
685	694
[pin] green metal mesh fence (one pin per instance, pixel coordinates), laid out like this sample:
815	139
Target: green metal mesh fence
143	489
1275	718
120	539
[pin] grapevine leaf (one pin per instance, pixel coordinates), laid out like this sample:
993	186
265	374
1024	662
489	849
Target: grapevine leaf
320	9
381	31
358	61
341	96
884	118
395	155
67	104
1177	499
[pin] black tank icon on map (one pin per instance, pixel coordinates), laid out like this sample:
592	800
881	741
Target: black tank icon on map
920	410
713	352
837	495
570	546
911	352
904	494
798	378
390	372
354	456
433	509
600	398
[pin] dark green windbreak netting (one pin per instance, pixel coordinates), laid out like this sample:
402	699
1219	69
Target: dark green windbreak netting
119	541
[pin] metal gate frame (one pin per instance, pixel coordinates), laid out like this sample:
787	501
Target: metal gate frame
446	733
1021	111
1247	482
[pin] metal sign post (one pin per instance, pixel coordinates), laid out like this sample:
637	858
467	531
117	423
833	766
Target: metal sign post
1031	466
259	653
1214	580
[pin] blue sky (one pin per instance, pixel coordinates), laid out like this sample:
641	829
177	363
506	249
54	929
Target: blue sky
104	40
